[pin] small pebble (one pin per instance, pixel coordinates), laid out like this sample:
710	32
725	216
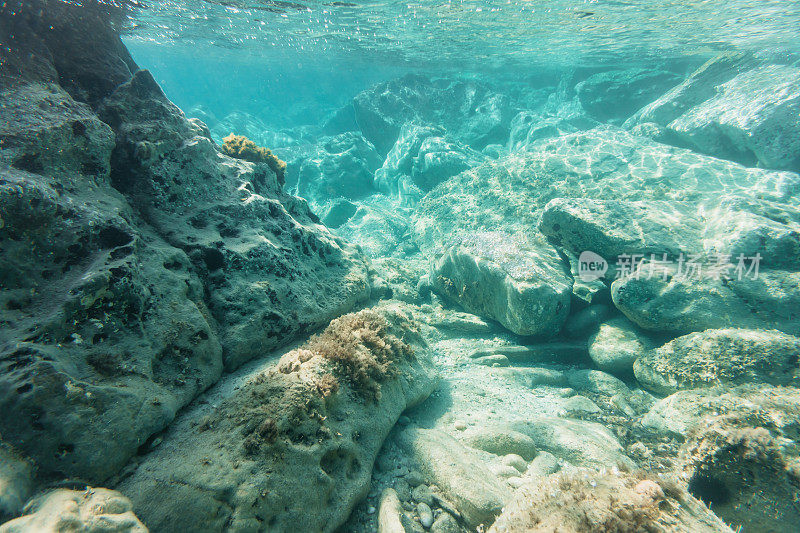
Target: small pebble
371	510
404	420
515	461
425	515
460	425
414	478
423	494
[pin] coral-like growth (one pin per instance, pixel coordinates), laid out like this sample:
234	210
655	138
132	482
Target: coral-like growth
362	348
241	147
590	501
292	402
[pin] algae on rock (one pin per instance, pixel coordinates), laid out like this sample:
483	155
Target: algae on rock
288	451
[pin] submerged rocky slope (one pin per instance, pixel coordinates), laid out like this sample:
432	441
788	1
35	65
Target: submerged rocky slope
138	260
411	343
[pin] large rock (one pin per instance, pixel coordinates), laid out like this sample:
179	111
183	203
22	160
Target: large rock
121	226
292	448
474	113
93	510
270	270
422	158
579	442
615	95
105	330
644	228
698	87
720	357
735	109
459	472
586	500
686	303
521	284
753	118
605	164
341	166
57	42
740	455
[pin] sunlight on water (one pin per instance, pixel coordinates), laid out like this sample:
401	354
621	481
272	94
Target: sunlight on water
470	32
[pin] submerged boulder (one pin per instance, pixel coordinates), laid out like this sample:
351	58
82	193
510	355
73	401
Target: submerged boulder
616	345
740	455
293	447
753	118
522	285
611	192
478	494
422	158
471	111
698	87
681	304
720	357
733	108
340	166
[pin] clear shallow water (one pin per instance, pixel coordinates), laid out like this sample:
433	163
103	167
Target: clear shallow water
292	62
470	34
457	161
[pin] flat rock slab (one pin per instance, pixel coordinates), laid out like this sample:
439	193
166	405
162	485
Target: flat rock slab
579	442
459	472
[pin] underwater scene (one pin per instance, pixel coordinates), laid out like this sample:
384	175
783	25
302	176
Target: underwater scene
450	266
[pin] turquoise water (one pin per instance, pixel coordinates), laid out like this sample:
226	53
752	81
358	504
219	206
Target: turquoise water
494	266
230	55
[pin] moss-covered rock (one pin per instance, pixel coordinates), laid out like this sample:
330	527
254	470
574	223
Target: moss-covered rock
292	448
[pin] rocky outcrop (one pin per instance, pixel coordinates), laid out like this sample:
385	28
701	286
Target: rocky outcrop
720	357
293	447
137	258
269	268
615	95
698	87
106	334
733	108
556	185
